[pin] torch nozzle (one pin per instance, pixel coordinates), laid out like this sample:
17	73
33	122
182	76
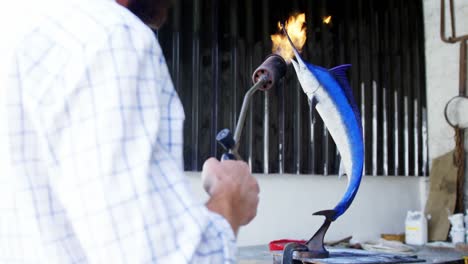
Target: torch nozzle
272	69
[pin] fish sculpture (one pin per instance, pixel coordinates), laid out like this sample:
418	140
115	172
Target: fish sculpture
329	92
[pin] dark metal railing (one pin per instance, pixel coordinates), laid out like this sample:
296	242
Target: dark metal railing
213	46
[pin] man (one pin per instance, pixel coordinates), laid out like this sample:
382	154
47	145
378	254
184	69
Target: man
94	144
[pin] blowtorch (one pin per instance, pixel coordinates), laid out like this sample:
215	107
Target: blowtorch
264	77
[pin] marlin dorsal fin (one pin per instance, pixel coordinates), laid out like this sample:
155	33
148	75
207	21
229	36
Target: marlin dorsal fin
339	72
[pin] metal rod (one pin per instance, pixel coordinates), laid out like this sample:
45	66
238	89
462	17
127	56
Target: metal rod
405	85
244	109
312	135
363	120
326	60
385	132
298	119
234	60
374	128
281	129
314	127
266	133
325	150
406	135
195	82
416	137
452	19
266	94
215	74
395	133
176	45
425	157
374	63
249	65
386	80
297	127
416	93
463	68
453	38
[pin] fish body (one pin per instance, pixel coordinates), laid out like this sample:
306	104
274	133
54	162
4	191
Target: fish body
329	92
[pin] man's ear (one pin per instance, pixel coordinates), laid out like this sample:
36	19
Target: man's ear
124	2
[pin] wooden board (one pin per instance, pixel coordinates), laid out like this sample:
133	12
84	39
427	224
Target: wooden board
442	196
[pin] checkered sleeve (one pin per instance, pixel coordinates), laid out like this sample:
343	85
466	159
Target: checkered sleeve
123	189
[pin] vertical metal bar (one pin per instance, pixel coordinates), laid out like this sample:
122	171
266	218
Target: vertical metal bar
374	128
234	65
326	62
425	157
326	150
297	130
313	146
416	136
421	93
406	134
461	182
281	128
249	68
297	120
395	133
195	82
452	19
406	93
176	44
463	142
366	89
397	82
442	21
266	133
266	94
417	87
385	76
375	63
363	121
312	135
385	132
215	74
463	68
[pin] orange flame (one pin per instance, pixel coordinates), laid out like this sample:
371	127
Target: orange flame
296	31
327	20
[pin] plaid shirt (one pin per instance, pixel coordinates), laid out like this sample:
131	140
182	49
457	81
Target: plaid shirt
95	145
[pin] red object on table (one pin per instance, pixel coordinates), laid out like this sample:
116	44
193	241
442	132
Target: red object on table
279	244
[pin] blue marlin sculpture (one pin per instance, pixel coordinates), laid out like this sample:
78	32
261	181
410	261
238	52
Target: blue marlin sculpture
329	92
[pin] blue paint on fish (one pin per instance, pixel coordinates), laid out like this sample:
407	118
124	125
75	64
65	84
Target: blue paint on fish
331	92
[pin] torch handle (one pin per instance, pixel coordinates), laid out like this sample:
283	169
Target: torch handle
226	140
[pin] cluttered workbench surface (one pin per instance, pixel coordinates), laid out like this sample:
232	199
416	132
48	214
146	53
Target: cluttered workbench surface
425	254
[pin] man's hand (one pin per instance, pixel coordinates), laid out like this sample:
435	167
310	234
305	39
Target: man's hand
233	190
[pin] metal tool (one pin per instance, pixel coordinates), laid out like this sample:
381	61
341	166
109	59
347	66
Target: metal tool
264	77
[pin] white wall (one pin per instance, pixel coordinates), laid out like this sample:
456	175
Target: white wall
288	201
442	63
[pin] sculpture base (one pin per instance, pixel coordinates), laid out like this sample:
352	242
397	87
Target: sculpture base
347	256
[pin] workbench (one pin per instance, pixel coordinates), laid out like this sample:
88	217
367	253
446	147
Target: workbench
261	255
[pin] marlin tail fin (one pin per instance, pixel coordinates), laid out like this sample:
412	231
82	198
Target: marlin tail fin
329	214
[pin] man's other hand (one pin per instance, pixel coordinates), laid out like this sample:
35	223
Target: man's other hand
233	190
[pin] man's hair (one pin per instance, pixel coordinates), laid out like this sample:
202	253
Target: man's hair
151	12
